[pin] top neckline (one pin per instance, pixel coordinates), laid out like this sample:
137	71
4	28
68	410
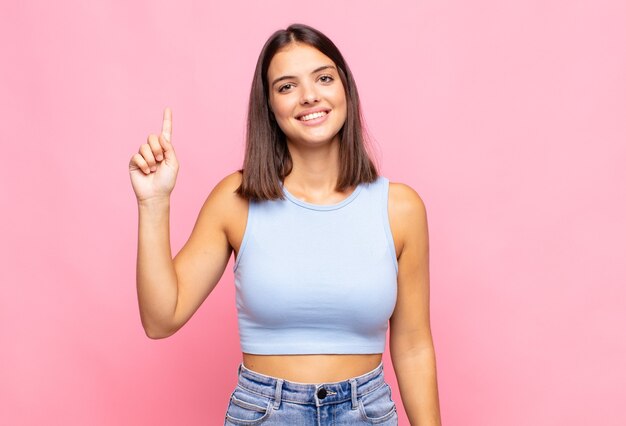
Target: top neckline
322	207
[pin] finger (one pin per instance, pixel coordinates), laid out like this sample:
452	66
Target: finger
146	153
157	151
167	124
138	161
168	149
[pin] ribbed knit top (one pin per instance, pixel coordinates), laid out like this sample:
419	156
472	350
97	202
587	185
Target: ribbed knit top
317	279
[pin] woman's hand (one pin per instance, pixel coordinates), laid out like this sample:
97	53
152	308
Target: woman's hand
154	168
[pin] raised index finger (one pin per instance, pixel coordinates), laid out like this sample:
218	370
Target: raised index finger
167	124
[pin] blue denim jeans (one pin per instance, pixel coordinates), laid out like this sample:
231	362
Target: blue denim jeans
264	400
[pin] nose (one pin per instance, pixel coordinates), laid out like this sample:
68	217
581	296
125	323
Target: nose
309	94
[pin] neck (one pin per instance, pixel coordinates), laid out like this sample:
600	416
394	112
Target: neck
315	169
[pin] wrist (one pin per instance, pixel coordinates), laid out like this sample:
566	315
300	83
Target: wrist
151	203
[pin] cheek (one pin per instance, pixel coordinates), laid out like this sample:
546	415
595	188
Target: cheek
341	103
339	97
282	108
344	102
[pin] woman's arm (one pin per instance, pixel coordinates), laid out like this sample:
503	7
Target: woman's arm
170	290
411	344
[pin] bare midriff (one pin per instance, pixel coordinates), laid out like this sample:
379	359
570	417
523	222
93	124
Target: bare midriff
318	368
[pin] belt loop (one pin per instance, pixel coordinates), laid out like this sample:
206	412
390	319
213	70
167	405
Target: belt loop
239	369
354	401
278	393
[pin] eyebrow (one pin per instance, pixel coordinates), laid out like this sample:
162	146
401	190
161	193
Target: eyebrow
286	77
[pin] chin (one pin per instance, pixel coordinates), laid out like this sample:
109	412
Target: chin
321	139
317	138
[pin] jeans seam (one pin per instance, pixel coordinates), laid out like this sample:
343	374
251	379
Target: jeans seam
255	392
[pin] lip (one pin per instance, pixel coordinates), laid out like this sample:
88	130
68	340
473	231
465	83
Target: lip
315	121
311	111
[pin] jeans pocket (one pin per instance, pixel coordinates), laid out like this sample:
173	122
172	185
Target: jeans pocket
377	406
246	408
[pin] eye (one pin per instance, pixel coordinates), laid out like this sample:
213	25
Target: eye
284	87
326	78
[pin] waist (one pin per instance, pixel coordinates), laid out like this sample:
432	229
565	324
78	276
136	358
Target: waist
307	393
315	368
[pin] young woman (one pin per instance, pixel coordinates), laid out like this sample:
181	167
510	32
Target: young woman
327	252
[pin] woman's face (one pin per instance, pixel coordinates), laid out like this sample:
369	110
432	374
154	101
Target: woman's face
306	94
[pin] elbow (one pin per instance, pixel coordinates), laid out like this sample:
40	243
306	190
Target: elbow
156	333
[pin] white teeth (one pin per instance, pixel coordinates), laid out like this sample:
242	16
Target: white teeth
312	116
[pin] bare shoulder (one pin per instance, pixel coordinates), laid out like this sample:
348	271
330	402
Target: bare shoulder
405	201
224	209
407	213
223	200
229	183
226	187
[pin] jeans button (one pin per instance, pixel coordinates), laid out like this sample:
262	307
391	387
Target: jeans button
321	393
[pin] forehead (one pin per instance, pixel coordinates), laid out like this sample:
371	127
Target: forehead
296	58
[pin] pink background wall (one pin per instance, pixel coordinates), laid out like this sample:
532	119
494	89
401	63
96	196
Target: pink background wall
509	118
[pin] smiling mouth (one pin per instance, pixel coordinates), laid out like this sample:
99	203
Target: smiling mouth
313	116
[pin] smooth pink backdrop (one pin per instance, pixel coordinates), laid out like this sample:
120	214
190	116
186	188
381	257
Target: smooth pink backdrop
509	119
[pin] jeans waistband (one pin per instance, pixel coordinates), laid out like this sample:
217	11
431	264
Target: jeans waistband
311	393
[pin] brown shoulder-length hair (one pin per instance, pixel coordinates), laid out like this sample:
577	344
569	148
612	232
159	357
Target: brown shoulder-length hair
267	160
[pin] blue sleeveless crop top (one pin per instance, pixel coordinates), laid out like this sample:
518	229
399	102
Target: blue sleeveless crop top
317	279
